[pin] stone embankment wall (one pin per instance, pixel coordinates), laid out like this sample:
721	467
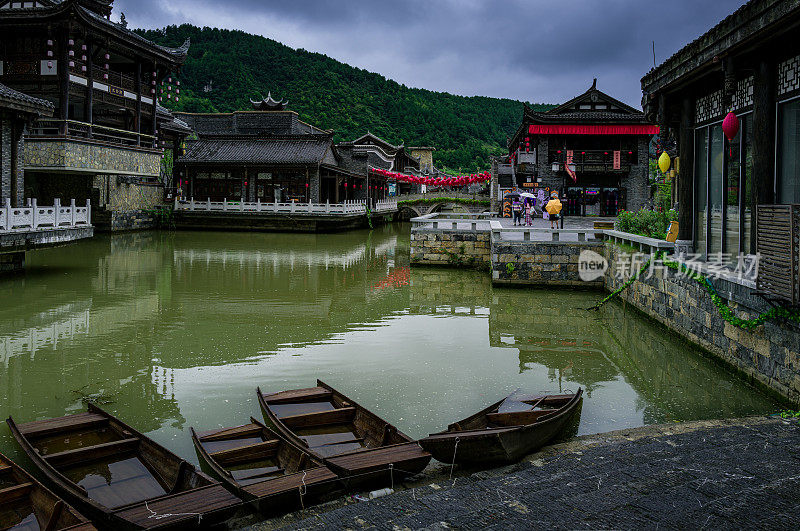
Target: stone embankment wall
462	248
769	354
126	206
540	263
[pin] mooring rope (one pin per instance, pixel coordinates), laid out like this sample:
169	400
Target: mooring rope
303	489
157	516
453	464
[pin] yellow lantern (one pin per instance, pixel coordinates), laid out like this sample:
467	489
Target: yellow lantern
664	162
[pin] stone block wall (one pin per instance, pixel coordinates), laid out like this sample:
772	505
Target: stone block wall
74	155
769	354
450	247
125	206
540	263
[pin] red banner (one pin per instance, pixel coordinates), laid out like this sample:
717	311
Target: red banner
617	160
535	129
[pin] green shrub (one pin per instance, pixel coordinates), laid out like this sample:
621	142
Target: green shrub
646	222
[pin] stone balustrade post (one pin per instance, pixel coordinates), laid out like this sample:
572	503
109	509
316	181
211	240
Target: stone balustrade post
72	212
34	213
7	213
56	208
225	204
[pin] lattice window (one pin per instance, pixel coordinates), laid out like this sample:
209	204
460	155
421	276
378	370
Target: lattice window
709	107
744	95
788	75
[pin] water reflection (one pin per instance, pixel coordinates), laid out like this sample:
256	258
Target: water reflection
178	329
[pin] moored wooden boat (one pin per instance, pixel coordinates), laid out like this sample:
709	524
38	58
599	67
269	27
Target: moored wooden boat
25	504
353	442
115	475
261	467
507	430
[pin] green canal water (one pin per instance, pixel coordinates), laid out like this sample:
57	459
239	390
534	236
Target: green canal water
177	330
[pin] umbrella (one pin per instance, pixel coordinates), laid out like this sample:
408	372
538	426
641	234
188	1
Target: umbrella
512	194
553	206
528	195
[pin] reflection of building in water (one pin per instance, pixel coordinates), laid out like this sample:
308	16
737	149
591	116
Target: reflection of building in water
591	350
548	331
66	322
52	353
450	292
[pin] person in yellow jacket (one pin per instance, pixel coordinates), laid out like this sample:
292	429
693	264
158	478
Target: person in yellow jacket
553	208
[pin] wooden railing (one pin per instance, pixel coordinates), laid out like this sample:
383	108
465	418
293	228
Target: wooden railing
777	234
35	217
51	128
348	207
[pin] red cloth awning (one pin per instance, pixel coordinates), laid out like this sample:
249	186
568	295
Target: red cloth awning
535	129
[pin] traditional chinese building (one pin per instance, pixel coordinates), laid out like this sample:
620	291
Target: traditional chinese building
105	140
17	112
748	65
269	155
593	149
373	152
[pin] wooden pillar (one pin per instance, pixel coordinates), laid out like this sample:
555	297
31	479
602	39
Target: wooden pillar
764	88
138	127
686	177
16	166
63	80
191	181
89	92
154	125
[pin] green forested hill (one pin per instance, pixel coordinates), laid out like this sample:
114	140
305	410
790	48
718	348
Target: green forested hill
333	95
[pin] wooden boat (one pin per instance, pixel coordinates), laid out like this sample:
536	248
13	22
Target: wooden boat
25	504
260	467
506	431
117	476
353	442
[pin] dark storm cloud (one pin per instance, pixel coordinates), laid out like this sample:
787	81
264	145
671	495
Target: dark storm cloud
541	51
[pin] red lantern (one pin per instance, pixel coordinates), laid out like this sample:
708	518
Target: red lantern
730	126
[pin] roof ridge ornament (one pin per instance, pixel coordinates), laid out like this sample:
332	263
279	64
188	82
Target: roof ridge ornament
269	103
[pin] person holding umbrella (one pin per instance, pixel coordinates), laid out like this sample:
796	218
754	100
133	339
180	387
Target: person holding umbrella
553	208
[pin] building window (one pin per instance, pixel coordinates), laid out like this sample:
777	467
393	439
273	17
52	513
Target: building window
723	200
789	154
700	188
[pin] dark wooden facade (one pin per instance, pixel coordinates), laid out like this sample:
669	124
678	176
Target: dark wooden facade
606	142
748	64
106	137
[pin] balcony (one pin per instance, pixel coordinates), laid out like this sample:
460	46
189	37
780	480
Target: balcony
68	145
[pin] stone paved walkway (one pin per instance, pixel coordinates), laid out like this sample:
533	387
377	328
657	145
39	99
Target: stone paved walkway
704	475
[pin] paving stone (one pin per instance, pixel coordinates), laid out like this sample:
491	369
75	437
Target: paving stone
720	477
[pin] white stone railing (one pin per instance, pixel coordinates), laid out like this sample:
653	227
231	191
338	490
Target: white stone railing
345	208
452	221
390	205
542	234
35	217
643	243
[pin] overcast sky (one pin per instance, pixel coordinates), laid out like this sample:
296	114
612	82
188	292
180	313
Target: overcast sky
536	50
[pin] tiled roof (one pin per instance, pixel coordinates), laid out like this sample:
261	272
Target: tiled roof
50	7
744	23
266	151
588	116
14	99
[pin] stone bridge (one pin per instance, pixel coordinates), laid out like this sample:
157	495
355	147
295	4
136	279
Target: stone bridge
408	211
